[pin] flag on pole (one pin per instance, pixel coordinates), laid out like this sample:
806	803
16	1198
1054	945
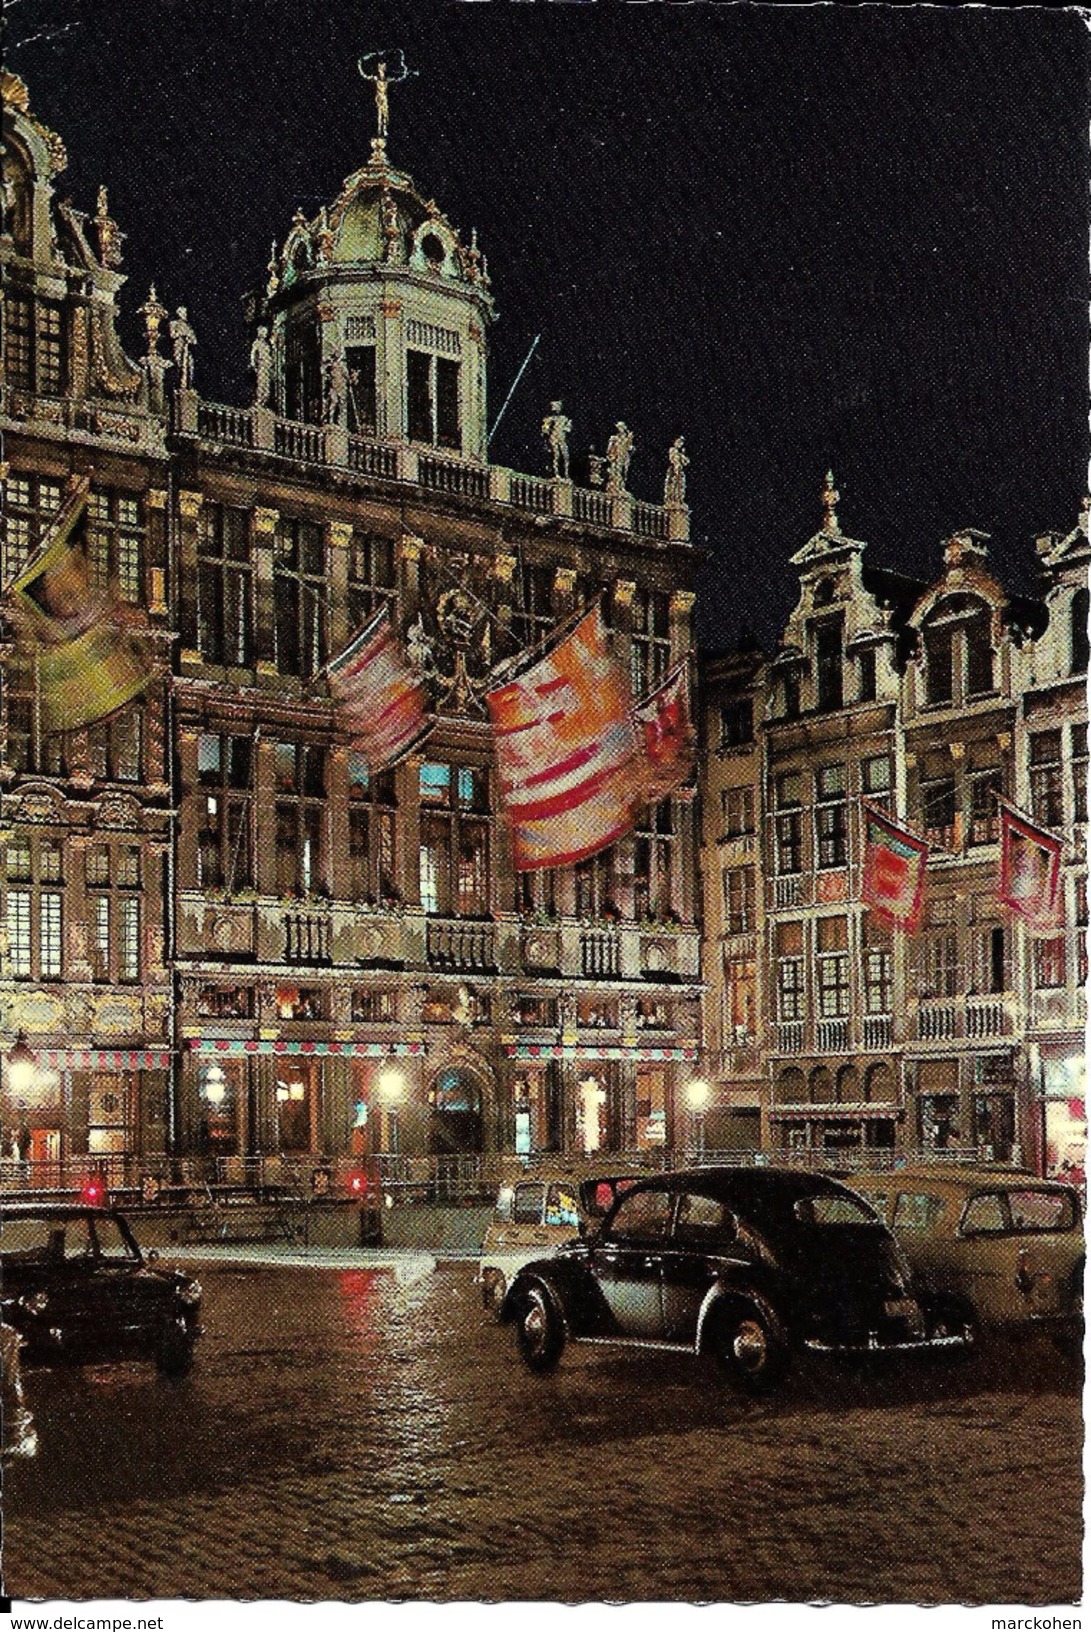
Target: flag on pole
665	736
1030	872
894	869
382	703
88	664
566	749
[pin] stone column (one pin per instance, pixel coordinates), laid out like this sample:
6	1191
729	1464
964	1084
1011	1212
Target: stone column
156	558
263	528
189	513
390	372
338	541
681	624
409	554
337	791
189	822
265	859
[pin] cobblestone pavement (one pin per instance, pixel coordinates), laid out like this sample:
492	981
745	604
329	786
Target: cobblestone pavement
349	1434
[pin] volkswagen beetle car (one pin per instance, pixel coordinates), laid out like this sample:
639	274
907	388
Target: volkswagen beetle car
534	1216
988	1249
76	1287
750	1265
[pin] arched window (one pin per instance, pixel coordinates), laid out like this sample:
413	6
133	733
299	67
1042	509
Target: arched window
791	1086
879	1083
821	1086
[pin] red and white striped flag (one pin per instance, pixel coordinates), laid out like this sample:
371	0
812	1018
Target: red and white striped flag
1030	873
566	750
381	702
666	736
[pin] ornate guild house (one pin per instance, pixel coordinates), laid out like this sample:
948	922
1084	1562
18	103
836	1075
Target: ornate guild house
226	935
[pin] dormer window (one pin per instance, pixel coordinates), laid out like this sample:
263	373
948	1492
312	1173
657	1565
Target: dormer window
958	651
829	666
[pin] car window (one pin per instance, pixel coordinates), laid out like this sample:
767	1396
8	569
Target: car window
601	1196
527	1207
46	1240
833	1207
917	1210
984	1215
642	1215
1041	1210
562	1206
703	1221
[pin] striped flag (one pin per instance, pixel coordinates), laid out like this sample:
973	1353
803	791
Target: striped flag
88	664
666	736
382	703
1030	873
566	750
894	869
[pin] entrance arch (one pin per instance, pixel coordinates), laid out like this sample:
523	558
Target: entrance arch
457	1096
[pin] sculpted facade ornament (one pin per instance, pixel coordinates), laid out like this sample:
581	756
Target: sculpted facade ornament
619	453
674	486
261	361
117	810
555	428
183	343
106	229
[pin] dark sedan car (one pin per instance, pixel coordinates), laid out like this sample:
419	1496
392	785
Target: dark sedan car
76	1286
750	1265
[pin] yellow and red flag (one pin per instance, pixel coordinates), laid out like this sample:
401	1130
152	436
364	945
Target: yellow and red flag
1030	873
894	869
88	664
566	749
666	737
380	700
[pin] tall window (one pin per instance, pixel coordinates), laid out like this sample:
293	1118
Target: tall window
372	833
224	769
19	341
791	1001
30	503
939	963
1079	771
834	987
432	399
831	817
303	374
939	658
865	668
739	900
1046	786
454	854
361	389
225	587
939	798
958	650
738	810
789	823
299	584
115	539
34	345
372	580
878	971
651	646
533	618
989	969
736	722
876	780
829	664
986	786
115	747
739	997
34	908
652	851
300	818
596	884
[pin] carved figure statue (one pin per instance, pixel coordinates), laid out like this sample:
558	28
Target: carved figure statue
674	487
261	361
109	237
619	452
183	343
555	428
336	383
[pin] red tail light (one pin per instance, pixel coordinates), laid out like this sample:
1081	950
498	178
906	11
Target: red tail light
357	1184
93	1193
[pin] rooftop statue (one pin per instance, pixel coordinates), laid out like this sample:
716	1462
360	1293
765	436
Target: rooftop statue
619	452
261	361
374	67
183	343
674	487
555	428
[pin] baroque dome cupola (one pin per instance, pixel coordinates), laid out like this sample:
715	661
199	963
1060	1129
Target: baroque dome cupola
376	309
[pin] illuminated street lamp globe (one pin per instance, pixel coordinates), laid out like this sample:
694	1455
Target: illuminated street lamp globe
22	1066
392	1086
698	1094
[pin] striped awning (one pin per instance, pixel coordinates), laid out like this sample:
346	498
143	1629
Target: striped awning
104	1059
237	1046
592	1051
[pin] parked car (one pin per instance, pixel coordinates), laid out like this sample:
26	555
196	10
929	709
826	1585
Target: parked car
987	1248
534	1216
76	1287
16	1423
750	1265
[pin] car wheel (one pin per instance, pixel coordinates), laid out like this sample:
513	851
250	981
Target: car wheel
493	1292
540	1333
749	1344
174	1354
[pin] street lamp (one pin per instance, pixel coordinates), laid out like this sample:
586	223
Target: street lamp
698	1094
392	1088
22	1066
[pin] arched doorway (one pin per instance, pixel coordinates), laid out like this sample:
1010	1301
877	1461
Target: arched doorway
456	1126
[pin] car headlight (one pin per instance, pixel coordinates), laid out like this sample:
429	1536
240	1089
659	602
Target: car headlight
35	1303
190	1292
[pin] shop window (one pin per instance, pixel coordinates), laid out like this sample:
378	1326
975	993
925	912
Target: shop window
300	1003
597	1014
651	1110
225	1003
373	1007
537	1013
109	1114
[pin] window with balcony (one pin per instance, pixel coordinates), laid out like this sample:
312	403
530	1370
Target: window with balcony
372	833
299	589
432	400
739	900
115	542
791	997
1046	778
225	586
988	961
878	978
831	817
834	985
596	885
650	648
986	788
939	801
788	828
455	840
940	975
653	849
225	774
300	815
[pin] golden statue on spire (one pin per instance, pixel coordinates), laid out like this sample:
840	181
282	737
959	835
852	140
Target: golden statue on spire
383	69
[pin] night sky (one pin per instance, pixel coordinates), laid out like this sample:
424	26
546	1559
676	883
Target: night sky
798	236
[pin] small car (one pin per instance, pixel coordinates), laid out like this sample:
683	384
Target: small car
534	1216
77	1288
750	1265
19	1436
988	1248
